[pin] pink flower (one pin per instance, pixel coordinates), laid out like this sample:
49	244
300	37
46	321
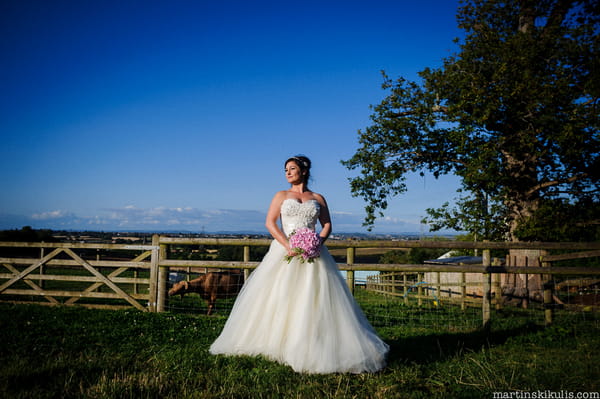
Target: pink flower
306	244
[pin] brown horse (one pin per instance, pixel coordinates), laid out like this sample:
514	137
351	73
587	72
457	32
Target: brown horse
211	286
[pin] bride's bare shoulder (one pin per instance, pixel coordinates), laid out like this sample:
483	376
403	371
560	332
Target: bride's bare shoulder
279	196
320	199
283	194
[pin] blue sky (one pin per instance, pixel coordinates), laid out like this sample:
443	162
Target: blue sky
178	115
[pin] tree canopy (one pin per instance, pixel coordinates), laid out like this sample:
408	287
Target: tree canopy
514	113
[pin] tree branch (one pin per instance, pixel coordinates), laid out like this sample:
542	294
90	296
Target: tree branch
527	15
590	222
435	108
555	182
557	15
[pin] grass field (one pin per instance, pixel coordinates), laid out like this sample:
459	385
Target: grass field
72	352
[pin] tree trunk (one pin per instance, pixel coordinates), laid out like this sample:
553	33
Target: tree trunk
522	198
520	289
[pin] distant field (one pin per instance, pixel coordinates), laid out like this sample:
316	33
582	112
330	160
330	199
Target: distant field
365	251
362	255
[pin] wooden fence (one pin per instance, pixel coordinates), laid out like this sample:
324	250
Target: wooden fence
61	271
141	280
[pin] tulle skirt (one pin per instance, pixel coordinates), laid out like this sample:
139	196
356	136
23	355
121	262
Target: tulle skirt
302	315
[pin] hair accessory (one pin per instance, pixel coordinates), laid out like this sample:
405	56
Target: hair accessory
301	161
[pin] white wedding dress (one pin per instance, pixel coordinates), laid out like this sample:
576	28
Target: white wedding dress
301	314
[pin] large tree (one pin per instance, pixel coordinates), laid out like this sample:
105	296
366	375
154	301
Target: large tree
514	113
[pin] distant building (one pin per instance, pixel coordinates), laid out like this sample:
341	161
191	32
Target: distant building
450	283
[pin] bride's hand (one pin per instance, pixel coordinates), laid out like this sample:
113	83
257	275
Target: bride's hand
290	250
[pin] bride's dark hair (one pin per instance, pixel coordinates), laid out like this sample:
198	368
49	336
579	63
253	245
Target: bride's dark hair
303	163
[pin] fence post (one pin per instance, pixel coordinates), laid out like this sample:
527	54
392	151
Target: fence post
487	290
547	284
153	289
496	285
350	251
463	291
163	276
136	275
405	290
42	282
246	259
420	278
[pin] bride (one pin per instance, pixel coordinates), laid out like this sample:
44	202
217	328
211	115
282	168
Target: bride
298	312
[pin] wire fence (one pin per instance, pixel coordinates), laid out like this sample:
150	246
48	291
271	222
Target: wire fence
414	305
401	298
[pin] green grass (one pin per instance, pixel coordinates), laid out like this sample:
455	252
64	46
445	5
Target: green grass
73	352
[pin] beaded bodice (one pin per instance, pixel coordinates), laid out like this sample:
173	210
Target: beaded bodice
295	214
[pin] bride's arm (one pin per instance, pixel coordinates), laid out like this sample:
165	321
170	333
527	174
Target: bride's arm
324	218
271	223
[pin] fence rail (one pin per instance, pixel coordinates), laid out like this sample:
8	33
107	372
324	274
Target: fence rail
141	279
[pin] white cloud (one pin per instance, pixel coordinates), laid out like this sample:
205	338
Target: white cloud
50	215
162	218
184	218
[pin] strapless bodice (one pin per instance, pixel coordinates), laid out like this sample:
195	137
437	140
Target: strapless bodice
295	215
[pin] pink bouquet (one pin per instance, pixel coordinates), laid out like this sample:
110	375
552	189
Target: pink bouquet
306	244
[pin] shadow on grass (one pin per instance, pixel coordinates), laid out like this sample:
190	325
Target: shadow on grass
424	349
